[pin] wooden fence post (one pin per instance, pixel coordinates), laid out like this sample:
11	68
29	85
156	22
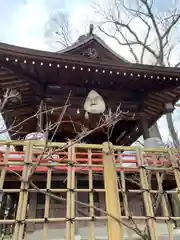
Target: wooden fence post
115	229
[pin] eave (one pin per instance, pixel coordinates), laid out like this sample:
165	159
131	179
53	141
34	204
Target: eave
164	81
51	57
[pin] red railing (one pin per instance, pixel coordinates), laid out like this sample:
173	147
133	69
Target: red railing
128	161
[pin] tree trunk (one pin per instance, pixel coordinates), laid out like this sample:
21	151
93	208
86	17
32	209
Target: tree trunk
172	130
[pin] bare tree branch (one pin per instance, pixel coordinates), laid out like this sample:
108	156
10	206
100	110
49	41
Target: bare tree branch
174	22
160	26
59	25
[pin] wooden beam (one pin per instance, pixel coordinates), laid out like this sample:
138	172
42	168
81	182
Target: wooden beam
21	109
154	104
18	83
78	102
166	86
119	94
160	96
20	73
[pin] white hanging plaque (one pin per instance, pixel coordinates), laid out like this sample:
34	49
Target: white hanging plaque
94	103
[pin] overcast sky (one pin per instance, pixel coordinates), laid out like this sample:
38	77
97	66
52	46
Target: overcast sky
22	23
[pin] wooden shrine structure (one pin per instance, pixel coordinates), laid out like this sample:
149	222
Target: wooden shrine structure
88	178
45	79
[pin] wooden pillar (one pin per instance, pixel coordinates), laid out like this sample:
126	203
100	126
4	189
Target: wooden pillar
175	202
147	198
144	126
23	195
115	229
76	207
70	202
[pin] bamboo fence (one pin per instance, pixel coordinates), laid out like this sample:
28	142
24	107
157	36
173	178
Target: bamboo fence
112	164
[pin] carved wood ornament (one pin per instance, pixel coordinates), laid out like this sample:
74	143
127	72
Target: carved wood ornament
91	52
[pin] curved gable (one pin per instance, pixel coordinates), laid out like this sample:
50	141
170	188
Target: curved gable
92	46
